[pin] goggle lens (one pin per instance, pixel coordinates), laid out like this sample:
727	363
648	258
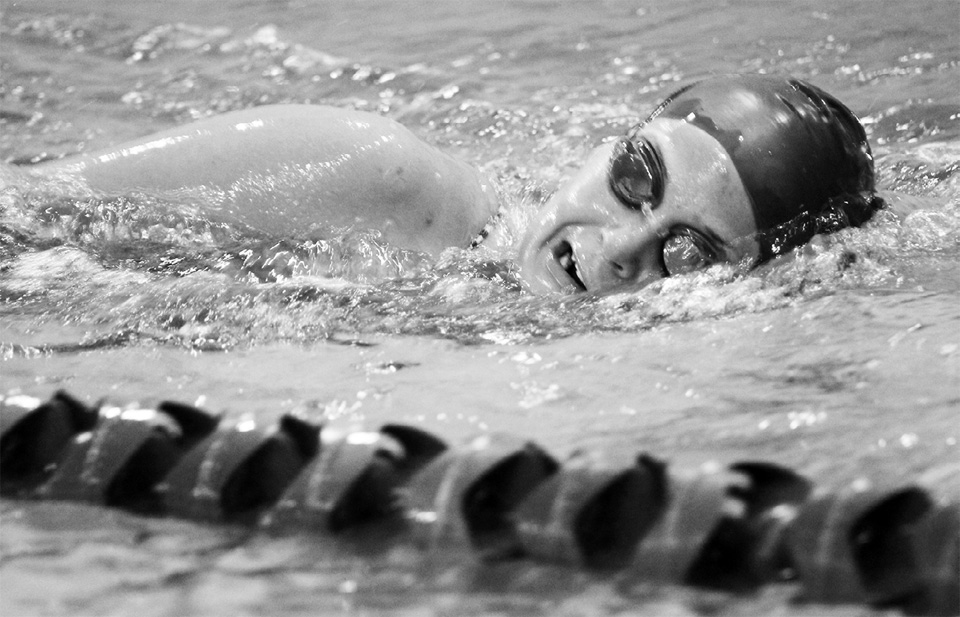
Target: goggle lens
636	173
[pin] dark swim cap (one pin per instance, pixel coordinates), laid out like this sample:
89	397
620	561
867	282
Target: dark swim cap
802	155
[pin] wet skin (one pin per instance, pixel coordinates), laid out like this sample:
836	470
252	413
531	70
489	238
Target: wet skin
284	168
587	239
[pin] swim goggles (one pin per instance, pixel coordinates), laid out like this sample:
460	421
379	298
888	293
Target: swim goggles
636	177
636	173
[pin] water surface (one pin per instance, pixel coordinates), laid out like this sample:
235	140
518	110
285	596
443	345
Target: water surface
842	361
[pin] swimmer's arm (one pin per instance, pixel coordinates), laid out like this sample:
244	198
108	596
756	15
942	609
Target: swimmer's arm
283	168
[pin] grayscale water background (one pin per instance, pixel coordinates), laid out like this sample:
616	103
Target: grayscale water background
842	362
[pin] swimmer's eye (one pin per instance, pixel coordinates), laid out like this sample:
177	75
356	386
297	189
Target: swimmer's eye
636	173
686	250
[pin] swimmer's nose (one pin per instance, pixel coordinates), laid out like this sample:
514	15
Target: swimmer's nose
629	253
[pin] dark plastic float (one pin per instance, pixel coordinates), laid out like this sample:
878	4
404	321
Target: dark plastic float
733	527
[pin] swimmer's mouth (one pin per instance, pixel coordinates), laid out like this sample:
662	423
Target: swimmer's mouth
563	253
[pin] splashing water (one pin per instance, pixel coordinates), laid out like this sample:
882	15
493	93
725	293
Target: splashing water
142	268
839	359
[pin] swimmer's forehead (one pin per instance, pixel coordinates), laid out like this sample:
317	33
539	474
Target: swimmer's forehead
678	141
702	186
794	146
702	179
673	128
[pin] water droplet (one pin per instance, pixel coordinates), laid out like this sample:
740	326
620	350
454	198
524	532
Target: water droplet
908	440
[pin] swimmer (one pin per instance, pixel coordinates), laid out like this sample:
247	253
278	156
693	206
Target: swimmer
734	169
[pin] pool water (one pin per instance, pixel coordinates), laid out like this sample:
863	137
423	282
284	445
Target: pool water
842	360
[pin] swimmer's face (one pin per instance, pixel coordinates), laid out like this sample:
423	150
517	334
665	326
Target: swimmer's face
667	202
